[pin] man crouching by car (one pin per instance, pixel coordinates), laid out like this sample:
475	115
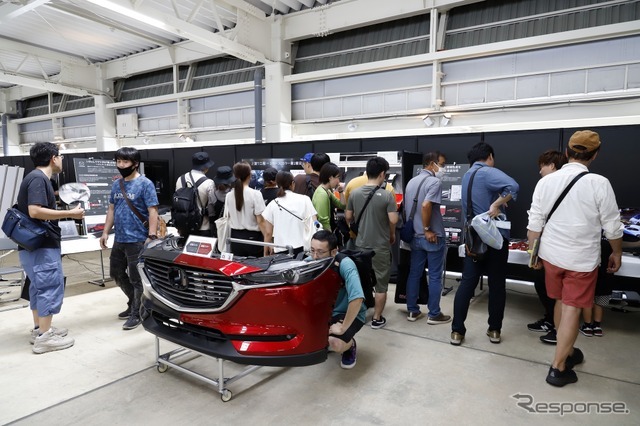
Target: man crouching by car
349	311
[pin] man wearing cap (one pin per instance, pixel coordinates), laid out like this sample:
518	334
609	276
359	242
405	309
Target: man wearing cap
570	245
200	166
223	182
308	182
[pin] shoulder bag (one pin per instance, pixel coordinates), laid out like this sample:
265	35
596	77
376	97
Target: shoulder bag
161	231
474	246
28	233
406	232
223	228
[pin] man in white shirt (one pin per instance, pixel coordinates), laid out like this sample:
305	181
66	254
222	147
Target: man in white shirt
570	244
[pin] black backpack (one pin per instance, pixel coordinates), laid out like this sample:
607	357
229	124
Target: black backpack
186	211
363	261
311	188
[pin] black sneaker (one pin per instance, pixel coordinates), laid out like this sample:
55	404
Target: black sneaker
577	357
349	357
550	338
586	329
131	323
414	316
378	323
125	314
560	378
541	326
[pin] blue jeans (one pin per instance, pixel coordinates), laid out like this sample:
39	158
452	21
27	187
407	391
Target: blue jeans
494	265
423	251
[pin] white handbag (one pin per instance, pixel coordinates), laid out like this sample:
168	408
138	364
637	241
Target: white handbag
487	228
223	226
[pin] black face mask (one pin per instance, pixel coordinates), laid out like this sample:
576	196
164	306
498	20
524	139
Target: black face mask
125	172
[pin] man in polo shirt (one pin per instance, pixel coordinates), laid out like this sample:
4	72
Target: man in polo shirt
570	244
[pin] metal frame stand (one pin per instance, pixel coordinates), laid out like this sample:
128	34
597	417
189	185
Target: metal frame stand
101	282
164	361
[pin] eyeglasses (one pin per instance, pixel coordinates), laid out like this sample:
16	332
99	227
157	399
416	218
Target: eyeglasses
318	252
60	155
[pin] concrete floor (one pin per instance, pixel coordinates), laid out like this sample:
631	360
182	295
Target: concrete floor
407	373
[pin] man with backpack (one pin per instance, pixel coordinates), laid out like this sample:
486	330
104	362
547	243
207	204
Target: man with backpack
307	183
349	311
189	204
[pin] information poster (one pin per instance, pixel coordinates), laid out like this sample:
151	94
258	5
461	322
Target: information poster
258	165
98	175
451	206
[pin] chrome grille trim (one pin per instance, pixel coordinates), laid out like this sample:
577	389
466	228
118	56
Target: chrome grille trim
205	291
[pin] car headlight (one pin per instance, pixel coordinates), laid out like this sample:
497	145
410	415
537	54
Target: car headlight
293	272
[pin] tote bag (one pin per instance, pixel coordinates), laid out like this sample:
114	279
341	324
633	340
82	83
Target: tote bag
223	227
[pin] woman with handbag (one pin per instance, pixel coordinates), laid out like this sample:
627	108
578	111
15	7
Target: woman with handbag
324	201
244	206
289	218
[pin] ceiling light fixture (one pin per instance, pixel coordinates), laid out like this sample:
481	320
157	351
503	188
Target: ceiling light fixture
352	127
444	121
428	121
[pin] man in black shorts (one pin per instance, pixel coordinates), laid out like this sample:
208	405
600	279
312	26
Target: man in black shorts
349	311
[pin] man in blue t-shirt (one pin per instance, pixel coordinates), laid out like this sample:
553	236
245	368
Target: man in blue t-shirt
131	232
349	311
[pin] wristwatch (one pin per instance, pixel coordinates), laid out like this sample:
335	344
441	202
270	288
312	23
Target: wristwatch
427	228
152	237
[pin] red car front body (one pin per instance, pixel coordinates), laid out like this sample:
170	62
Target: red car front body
230	310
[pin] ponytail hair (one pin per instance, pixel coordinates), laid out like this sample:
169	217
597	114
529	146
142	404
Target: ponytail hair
242	171
284	180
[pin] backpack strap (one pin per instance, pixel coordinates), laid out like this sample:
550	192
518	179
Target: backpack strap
195	186
469	205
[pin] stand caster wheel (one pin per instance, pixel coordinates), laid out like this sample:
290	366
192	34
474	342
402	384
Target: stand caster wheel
162	368
226	395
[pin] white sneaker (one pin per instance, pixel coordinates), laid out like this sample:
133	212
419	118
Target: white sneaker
59	331
50	341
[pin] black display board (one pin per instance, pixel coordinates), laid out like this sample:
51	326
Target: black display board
99	176
451	205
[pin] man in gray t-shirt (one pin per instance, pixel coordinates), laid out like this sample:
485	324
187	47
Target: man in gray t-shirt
376	228
428	243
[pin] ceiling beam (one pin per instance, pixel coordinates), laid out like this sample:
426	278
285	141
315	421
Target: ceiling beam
38	83
183	29
245	7
151	60
28	49
346	15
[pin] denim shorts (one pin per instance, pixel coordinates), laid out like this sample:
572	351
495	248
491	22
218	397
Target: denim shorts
44	269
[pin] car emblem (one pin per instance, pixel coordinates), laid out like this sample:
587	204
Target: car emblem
178	279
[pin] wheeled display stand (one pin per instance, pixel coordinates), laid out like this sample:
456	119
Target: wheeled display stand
169	359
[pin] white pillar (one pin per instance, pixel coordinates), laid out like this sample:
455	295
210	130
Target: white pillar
277	102
105	125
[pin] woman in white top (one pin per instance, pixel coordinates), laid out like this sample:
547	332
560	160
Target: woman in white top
245	206
289	218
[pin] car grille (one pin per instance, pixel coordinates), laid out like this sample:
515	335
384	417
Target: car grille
188	287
